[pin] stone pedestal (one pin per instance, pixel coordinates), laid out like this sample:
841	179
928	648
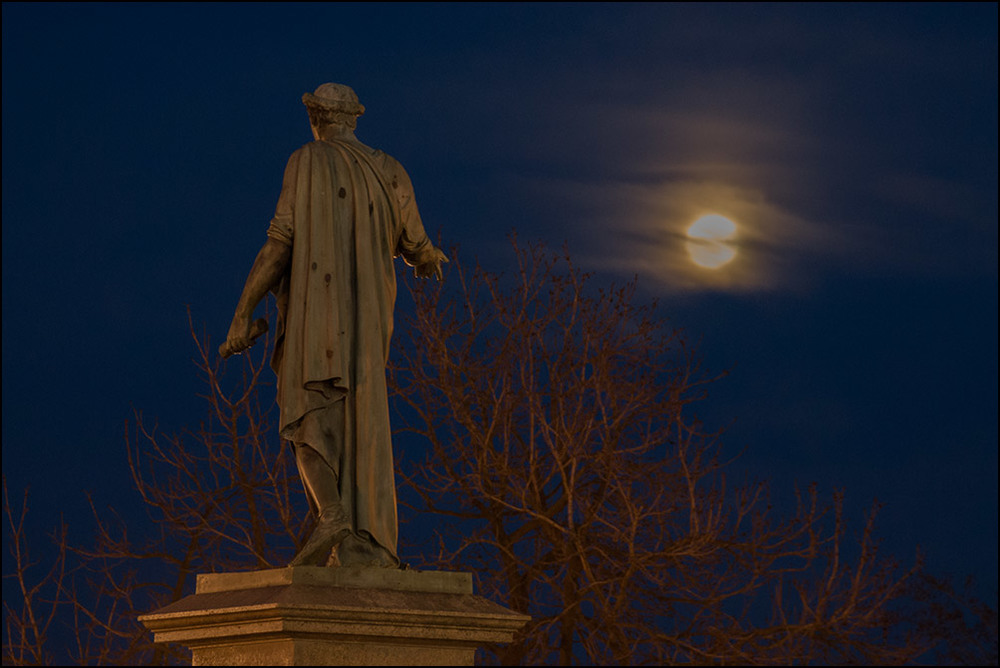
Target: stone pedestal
310	615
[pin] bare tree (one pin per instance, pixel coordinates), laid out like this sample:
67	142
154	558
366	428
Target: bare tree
960	626
565	468
222	496
29	616
582	489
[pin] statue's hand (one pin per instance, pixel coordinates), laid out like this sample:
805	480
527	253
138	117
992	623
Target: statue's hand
239	338
432	267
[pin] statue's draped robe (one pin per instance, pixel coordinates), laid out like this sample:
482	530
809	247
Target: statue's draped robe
346	210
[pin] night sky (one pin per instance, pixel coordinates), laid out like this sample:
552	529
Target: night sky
855	147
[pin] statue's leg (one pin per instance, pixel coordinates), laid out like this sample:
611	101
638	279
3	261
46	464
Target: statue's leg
320	482
318	479
334	525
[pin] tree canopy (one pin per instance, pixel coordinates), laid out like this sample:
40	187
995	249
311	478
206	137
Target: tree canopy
563	464
583	490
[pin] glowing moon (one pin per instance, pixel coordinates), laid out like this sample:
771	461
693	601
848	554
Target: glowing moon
707	238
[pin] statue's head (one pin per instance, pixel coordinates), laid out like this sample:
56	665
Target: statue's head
333	104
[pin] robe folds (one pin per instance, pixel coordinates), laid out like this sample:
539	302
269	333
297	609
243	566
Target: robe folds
346	210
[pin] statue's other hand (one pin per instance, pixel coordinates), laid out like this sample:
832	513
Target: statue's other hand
432	267
238	339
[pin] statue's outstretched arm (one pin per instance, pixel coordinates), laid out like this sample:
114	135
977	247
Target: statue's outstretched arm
270	265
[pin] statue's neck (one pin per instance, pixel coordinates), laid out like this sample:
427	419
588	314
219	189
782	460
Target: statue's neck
336	133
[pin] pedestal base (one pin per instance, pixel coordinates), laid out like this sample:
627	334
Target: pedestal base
310	615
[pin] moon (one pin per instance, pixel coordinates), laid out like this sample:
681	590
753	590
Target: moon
707	239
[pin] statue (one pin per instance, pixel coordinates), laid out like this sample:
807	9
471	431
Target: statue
345	211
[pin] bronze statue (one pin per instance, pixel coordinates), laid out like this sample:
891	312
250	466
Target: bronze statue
345	211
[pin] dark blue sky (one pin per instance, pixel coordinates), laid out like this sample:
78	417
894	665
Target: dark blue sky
854	145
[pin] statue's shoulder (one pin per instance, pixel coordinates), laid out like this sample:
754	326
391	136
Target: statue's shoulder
313	146
376	155
304	151
385	164
391	168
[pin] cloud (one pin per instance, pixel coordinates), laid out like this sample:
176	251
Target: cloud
632	177
814	196
640	229
839	141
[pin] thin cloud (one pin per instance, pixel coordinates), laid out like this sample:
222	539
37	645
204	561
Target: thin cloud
810	200
640	228
653	171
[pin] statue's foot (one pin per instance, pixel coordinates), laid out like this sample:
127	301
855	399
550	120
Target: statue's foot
360	550
325	537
